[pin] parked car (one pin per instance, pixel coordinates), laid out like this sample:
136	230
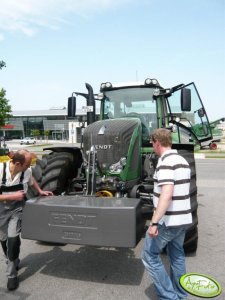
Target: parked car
5	138
28	141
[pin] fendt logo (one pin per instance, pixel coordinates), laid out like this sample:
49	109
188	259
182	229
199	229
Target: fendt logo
72	219
103	147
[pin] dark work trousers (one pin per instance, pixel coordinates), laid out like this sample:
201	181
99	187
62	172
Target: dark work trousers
10	227
10	224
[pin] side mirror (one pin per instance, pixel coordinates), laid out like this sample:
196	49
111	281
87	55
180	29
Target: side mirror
71	108
185	99
201	112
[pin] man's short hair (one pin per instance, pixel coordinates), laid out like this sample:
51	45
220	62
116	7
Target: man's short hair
163	136
20	156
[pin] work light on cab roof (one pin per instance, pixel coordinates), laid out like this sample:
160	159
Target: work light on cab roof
106	85
148	81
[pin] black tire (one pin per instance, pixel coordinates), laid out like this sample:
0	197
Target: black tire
55	171
191	238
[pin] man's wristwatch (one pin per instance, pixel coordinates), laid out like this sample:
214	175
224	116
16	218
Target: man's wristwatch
154	224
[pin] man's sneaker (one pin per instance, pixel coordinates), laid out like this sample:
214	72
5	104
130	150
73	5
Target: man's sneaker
12	284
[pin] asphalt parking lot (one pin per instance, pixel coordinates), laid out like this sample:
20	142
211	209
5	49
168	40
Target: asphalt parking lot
90	273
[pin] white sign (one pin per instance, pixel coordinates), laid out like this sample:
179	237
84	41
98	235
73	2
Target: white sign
88	108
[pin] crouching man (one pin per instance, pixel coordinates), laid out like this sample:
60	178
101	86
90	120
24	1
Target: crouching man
15	177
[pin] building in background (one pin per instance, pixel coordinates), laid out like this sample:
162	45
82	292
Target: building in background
54	121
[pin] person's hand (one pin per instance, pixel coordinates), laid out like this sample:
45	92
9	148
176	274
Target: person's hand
46	193
18	196
153	231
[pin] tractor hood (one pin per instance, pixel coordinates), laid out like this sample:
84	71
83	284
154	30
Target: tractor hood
112	140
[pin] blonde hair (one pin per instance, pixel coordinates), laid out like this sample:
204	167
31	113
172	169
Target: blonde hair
163	136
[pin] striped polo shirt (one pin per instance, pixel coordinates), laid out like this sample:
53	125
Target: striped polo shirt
174	169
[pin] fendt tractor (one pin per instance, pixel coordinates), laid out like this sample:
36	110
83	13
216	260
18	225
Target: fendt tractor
217	134
103	190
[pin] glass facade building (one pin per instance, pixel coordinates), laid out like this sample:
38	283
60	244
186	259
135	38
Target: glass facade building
52	124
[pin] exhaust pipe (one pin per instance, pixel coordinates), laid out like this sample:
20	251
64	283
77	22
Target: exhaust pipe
90	104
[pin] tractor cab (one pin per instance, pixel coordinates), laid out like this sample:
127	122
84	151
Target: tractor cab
179	108
134	101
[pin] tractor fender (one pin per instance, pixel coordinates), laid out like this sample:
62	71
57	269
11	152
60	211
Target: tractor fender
76	151
63	149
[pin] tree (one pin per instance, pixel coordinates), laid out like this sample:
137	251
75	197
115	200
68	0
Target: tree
2	64
5	108
46	134
35	132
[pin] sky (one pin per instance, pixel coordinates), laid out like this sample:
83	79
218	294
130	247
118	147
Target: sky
53	47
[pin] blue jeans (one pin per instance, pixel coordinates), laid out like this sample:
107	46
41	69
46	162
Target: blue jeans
167	287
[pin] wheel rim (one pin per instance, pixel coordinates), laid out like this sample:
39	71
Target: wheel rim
213	146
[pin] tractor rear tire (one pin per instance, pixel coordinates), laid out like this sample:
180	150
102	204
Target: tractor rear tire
55	171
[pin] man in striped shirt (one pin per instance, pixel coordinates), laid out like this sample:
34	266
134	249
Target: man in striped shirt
171	216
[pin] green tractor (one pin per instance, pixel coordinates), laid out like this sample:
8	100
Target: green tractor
217	134
103	189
